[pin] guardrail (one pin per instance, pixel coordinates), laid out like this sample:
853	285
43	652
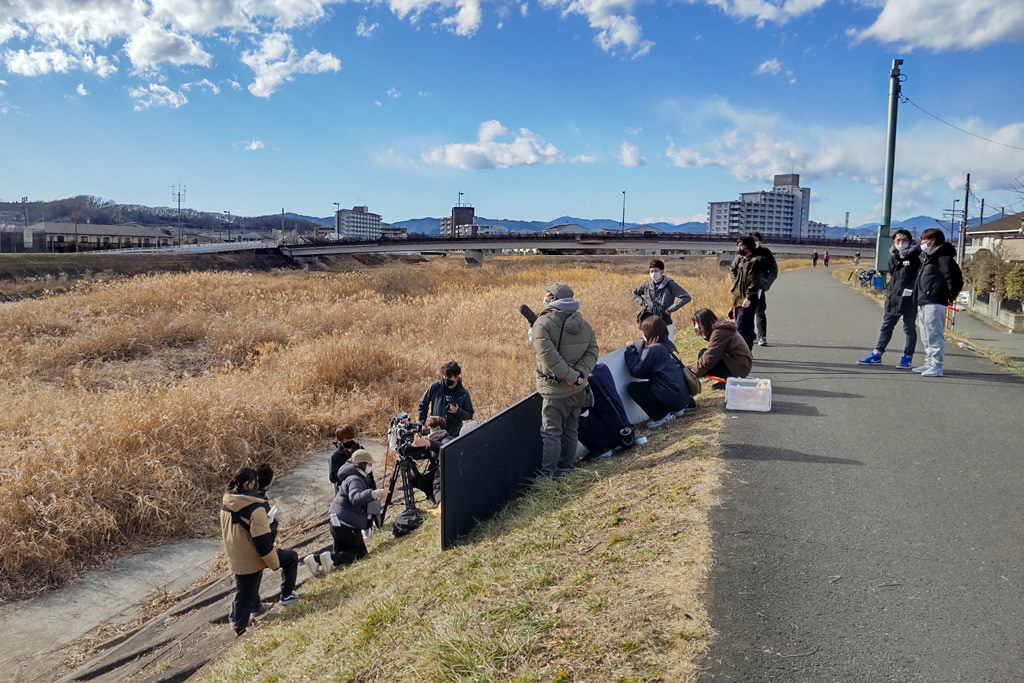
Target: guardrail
186	249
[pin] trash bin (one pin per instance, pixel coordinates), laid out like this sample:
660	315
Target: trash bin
878	284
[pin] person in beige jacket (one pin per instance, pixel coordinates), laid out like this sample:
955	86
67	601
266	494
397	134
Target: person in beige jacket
249	546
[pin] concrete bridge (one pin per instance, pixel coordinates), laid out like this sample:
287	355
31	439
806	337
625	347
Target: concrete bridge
679	242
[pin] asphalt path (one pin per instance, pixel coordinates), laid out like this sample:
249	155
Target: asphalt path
871	526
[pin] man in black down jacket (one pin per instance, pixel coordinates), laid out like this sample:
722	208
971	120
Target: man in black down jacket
904	264
447	398
938	284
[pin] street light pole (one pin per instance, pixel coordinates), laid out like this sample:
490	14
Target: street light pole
622	226
337	221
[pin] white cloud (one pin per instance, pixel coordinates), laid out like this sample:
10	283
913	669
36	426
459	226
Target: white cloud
39	62
424	93
634	131
616	26
393	93
364	30
253	145
466	21
524	9
156	95
205	83
378	103
152	44
790	77
584	159
526	149
762	11
81	90
234	84
629	155
946	24
276	62
769	66
390	158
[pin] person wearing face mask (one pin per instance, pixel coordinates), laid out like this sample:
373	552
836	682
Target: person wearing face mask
448	398
566	352
349	515
660	295
904	264
747	284
653	358
770	273
727	354
938	283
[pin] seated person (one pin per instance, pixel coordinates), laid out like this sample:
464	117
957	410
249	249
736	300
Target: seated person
430	480
664	395
727	354
344	447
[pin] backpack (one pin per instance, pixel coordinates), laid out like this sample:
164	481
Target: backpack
692	383
605	427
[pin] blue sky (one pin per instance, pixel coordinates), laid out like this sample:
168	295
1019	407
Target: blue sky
532	109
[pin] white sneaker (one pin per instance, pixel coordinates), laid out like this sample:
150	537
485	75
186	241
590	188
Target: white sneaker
326	562
314	566
933	371
368	534
920	368
657	423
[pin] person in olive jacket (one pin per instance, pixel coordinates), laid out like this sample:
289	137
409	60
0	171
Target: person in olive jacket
938	284
249	546
727	354
747	284
904	265
566	351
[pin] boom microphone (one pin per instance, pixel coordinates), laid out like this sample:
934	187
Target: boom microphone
528	313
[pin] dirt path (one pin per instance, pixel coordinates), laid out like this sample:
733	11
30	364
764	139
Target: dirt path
36	632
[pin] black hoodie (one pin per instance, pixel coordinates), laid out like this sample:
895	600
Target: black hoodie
439	396
940	279
903	272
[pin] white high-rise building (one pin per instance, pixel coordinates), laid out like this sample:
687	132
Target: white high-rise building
358	223
780	212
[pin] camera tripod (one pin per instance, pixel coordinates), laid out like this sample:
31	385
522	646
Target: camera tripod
406	468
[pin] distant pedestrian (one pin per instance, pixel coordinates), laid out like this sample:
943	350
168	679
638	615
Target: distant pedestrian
856	259
904	265
938	284
660	295
747	283
825	259
814	259
726	354
566	350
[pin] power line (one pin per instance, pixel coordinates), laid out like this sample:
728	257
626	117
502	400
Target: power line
980	137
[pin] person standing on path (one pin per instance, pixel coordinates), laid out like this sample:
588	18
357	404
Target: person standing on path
447	398
660	295
770	274
939	281
747	283
566	351
904	264
825	259
814	259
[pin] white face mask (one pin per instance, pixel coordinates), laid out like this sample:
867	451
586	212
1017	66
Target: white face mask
657	275
927	247
544	302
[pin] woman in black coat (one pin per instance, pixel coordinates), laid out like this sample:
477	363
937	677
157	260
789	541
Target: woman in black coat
664	395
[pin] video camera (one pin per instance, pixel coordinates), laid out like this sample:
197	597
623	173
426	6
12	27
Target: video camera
401	432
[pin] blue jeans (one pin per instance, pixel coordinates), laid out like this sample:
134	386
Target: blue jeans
909	330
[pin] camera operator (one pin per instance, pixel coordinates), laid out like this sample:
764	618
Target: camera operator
349	515
448	399
430	481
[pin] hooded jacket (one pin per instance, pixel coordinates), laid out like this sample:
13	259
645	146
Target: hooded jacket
664	373
350	504
661	298
245	531
748	279
725	344
565	347
770	267
342	452
939	281
439	396
903	272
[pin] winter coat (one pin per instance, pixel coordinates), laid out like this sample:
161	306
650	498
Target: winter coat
245	531
939	281
903	272
725	344
566	349
770	267
661	298
342	452
656	364
748	280
350	504
439	396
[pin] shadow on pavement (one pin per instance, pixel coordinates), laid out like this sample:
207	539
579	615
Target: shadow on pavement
780	389
755	453
856	349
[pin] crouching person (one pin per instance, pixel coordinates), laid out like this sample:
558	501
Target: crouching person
249	546
727	354
349	515
664	395
430	480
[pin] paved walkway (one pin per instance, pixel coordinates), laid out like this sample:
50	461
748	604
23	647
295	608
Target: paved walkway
991	335
870	525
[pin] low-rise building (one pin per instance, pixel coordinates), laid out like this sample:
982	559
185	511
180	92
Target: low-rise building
393	232
89	236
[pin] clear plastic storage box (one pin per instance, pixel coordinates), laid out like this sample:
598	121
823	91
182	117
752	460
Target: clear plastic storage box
748	394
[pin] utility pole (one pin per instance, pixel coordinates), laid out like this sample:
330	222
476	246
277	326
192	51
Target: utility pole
982	221
846	227
884	240
622	225
178	194
961	244
337	220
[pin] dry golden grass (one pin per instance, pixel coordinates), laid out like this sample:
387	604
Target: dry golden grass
126	405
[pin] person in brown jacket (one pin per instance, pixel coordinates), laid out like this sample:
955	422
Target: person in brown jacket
727	354
249	546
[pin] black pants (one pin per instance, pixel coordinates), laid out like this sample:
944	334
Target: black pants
289	560
655	406
720	369
247	597
348	545
745	321
760	318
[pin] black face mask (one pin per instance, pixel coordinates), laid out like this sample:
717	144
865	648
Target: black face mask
743	251
452	383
